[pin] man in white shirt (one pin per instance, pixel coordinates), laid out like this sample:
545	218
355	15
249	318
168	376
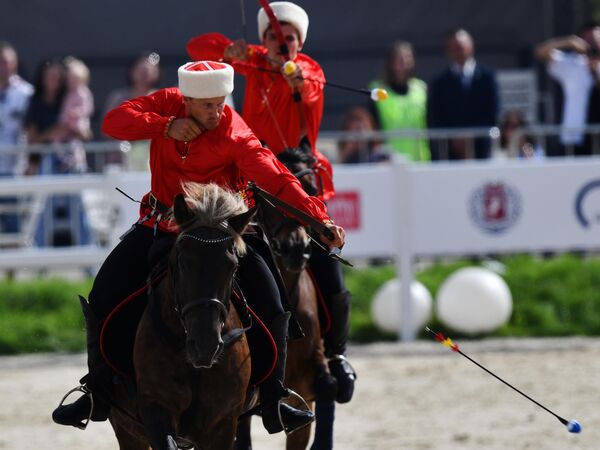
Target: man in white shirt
574	61
14	100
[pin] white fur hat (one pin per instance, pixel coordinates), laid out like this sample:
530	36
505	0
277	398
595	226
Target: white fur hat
285	12
205	79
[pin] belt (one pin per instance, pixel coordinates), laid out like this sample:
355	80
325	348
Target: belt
156	204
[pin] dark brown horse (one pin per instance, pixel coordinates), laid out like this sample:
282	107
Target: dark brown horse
191	358
306	361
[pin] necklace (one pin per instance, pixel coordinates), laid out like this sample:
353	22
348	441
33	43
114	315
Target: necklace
186	149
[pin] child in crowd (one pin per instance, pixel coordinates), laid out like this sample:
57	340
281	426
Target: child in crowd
78	105
77	108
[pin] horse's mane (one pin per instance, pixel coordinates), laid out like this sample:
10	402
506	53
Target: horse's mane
212	205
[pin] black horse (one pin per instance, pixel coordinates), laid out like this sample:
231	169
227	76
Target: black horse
191	357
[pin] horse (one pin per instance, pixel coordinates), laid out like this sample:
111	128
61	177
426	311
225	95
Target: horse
191	357
306	366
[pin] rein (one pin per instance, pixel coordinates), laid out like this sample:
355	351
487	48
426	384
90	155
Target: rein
303	217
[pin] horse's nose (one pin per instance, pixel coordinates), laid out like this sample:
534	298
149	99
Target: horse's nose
219	350
202	354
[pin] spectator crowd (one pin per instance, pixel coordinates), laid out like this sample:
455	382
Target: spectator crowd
465	94
52	117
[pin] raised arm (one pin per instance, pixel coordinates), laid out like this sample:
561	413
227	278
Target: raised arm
217	47
141	118
574	43
208	46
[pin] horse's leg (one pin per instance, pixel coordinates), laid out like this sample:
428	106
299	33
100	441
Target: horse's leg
325	416
222	436
325	392
243	439
129	433
159	427
127	441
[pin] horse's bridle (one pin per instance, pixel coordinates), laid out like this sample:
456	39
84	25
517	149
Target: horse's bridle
272	233
314	190
182	311
222	306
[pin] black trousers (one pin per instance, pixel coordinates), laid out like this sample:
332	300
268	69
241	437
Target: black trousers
327	272
127	267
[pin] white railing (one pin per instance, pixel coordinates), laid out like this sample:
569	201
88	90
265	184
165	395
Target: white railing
104	209
32	193
546	137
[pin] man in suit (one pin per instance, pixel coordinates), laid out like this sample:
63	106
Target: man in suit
464	95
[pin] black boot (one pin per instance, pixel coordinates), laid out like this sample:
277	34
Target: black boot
335	345
95	384
276	415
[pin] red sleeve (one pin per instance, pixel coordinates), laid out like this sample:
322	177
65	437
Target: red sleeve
211	47
312	89
208	46
142	117
260	165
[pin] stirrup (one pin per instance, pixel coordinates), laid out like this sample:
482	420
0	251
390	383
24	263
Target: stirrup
84	390
304	407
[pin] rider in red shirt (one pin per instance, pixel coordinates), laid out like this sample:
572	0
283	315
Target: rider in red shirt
280	122
269	108
194	137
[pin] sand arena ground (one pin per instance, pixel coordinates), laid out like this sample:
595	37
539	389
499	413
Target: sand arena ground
414	396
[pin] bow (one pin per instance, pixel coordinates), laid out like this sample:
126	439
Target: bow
288	66
283	48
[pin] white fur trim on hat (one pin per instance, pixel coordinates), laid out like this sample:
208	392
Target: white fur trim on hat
285	12
205	79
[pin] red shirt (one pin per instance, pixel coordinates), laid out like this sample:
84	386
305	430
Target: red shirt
276	120
228	155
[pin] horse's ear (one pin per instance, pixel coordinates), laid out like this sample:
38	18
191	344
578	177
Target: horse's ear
305	146
241	221
181	211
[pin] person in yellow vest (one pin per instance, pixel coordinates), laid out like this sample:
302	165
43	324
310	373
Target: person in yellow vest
406	107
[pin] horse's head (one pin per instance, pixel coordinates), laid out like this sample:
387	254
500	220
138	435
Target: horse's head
289	239
301	162
203	264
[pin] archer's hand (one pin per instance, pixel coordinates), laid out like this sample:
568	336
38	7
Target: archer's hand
339	237
236	51
184	129
294	79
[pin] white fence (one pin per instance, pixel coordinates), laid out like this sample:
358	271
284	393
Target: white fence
479	207
394	210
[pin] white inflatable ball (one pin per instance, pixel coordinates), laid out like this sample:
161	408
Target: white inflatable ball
474	300
385	307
